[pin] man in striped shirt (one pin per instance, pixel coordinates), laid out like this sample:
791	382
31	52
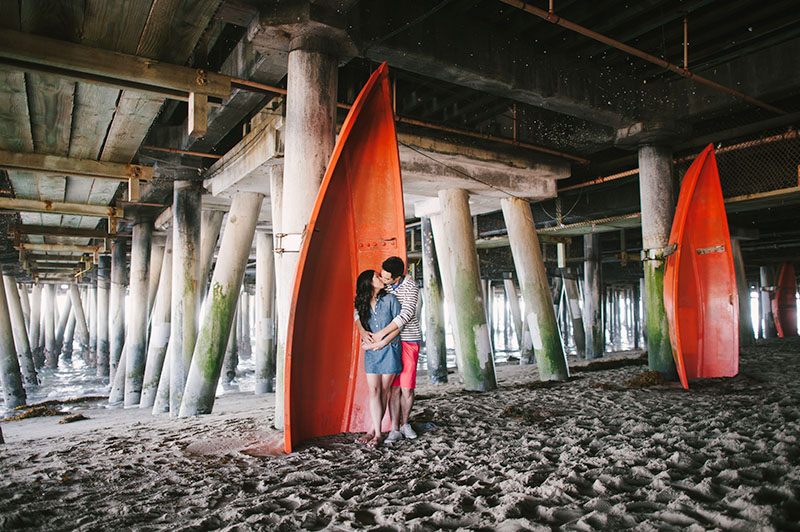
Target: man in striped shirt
406	291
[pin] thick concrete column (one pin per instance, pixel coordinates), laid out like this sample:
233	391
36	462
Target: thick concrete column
231	358
116	305
444	256
10	375
69	336
280	299
91	310
435	347
48	310
574	312
218	312
310	133
35	325
26	308
767	282
80	318
21	343
592	299
161	404
523	336
470	320
103	346
117	394
210	224
186	220
635	296
746	336
136	336
656	190
159	330
61	327
154	272
246	350
265	325
541	318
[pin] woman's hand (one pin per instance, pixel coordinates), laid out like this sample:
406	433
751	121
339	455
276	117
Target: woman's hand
372	346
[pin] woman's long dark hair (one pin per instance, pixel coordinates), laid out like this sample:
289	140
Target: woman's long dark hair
364	296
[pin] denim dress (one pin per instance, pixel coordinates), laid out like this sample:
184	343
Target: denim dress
385	360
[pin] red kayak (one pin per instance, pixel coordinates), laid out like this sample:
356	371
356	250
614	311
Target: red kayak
700	293
357	222
784	306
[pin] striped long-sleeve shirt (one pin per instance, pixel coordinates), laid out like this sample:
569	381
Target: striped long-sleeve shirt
407	292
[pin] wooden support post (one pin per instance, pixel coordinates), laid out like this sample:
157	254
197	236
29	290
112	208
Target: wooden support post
198	114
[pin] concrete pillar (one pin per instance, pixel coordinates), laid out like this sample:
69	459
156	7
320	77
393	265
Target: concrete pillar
574	311
246	350
63	318
657	198
218	312
280	299
116	305
117	394
21	343
159	331
136	336
103	285
69	337
10	375
80	317
264	302
186	220
471	325
746	336
36	324
435	347
48	310
523	336
767	281
161	404
210	225
444	256
312	81
26	309
91	310
541	318
635	295
231	359
154	272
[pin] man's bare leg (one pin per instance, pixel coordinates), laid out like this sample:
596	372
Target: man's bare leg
395	407
406	403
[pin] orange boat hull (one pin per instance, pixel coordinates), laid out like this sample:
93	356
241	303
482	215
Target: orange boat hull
357	222
784	306
700	293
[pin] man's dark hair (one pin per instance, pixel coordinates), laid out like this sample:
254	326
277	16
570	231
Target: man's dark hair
394	265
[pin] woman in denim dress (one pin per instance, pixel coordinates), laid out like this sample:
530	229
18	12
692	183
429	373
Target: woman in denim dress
376	309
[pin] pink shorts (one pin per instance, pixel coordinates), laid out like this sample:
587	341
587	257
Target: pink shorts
408	377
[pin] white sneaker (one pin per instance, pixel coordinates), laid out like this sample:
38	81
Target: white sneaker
394	436
408	432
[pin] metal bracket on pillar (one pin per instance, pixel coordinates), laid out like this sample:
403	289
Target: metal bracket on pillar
288	242
659	254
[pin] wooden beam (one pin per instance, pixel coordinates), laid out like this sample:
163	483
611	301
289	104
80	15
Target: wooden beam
198	114
78	232
28	51
72	248
57	207
37	162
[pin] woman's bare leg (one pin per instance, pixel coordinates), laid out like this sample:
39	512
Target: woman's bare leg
376	407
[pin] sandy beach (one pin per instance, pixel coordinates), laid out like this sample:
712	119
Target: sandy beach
587	454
